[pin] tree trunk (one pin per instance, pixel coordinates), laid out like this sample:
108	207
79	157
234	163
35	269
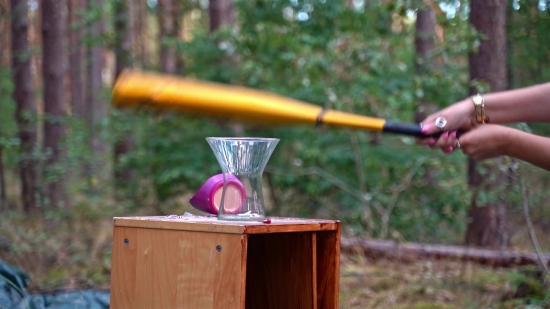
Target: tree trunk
23	96
221	13
488	221
424	38
4	28
178	32
123	59
96	107
409	252
136	19
141	32
167	32
3	200
53	66
123	41
75	59
424	47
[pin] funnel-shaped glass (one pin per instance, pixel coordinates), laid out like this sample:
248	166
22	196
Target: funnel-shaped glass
244	158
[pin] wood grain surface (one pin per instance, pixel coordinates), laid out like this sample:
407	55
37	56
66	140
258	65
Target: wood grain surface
212	224
160	262
172	269
279	271
328	268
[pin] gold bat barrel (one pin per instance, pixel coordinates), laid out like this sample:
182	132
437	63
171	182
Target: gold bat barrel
161	91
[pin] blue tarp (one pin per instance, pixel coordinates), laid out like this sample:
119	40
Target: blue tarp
13	295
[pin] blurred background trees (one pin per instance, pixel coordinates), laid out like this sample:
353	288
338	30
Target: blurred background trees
67	155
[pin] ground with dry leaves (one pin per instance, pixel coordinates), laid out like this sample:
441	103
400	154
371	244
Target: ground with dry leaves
435	284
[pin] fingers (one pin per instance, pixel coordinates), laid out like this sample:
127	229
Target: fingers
449	149
447	139
447	142
428	141
428	127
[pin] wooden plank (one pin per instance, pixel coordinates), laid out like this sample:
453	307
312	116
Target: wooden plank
213	225
314	268
328	268
288	228
165	223
279	271
123	269
176	269
244	259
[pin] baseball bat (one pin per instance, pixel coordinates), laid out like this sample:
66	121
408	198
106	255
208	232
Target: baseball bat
162	91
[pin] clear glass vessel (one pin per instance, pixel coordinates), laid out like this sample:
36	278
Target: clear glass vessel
244	158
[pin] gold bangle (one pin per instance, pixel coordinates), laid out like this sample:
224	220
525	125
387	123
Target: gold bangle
480	117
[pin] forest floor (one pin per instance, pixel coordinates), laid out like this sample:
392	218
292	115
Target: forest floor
435	284
77	255
364	283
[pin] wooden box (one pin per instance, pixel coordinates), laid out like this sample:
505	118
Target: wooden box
201	263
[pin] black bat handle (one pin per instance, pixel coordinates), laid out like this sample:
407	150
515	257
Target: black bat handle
411	129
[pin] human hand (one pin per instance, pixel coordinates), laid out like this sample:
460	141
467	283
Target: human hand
458	116
486	141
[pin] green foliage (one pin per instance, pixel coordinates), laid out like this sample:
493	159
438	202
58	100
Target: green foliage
179	161
355	59
348	59
8	128
528	58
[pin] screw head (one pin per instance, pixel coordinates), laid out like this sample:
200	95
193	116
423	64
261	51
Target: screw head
126	241
219	248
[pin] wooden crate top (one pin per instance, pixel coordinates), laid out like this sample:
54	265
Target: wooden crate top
212	224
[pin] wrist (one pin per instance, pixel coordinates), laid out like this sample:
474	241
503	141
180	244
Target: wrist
510	140
467	112
480	117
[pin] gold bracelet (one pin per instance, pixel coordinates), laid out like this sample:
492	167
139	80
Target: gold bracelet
480	117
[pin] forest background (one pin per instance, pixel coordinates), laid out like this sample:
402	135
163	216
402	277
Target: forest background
69	162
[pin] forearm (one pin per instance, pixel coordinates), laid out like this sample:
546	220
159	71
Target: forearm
530	104
530	148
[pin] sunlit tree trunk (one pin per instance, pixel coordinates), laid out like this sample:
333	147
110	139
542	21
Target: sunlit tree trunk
54	106
123	59
488	223
167	31
23	96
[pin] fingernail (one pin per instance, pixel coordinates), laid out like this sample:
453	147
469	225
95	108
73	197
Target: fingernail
424	128
432	142
448	149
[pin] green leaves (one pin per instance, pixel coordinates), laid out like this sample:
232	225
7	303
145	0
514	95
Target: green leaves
342	58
